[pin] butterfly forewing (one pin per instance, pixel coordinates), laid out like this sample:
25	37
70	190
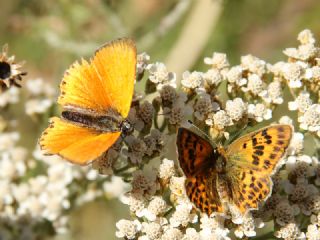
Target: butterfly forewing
262	149
115	64
195	153
107	81
251	160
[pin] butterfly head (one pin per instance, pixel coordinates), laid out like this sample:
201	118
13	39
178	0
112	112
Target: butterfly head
126	127
220	164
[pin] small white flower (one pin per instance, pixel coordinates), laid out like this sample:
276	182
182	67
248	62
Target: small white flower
20	192
166	169
310	120
253	64
213	228
212	77
115	188
276	68
8	140
306	37
37	106
313	232
6	196
127	229
259	112
191	234
218	60
152	230
192	80
38	86
177	185
273	94
290	231
142	62
182	215
293	73
255	84
38	184
136	202
285	120
160	75
221	120
301	103
247	228
234	76
9	96
156	207
296	144
236	108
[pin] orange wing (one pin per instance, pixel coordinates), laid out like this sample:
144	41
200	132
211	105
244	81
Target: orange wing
251	160
262	149
77	144
107	81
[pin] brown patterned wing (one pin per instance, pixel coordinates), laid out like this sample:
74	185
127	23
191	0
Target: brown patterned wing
202	192
195	153
197	159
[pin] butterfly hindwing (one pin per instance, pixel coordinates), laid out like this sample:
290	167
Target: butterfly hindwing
197	158
202	192
248	187
77	144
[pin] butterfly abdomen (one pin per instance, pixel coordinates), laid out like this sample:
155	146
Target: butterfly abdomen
100	123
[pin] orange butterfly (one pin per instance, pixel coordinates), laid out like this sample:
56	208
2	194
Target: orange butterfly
237	176
96	97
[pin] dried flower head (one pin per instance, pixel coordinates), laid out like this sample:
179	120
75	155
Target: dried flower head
10	72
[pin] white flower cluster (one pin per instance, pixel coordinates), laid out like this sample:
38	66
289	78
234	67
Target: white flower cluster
255	88
151	209
37	191
41	96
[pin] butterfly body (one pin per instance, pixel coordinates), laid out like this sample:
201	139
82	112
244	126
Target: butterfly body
103	123
235	177
96	97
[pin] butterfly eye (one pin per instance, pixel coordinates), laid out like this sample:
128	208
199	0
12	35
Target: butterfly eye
126	127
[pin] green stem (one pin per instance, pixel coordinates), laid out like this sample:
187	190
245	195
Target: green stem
266	236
